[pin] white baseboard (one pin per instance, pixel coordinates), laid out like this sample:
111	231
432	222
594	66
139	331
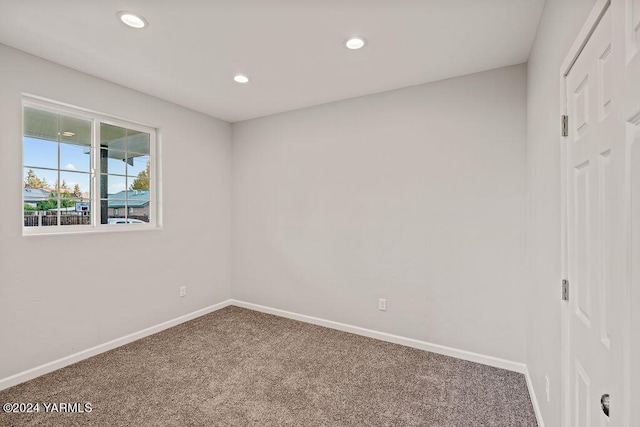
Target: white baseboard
534	399
383	336
101	348
396	339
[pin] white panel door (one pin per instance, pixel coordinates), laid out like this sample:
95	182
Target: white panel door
594	206
602	335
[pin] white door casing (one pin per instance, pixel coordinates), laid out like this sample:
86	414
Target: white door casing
628	17
601	202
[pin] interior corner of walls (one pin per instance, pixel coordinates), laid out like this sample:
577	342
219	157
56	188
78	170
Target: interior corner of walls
70	359
409	133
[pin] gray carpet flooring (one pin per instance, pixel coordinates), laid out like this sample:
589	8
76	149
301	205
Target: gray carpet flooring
237	367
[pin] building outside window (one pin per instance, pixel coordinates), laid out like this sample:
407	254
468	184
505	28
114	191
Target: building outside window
85	171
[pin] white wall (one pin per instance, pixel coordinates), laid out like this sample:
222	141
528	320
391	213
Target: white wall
416	195
560	24
62	294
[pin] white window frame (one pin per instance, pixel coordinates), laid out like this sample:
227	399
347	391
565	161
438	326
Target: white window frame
96	119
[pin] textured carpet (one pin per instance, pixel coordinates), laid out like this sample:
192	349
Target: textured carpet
238	367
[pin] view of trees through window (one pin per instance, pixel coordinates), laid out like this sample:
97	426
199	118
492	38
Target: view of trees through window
60	158
125	169
57	169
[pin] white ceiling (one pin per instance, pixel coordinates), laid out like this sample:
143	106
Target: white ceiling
293	50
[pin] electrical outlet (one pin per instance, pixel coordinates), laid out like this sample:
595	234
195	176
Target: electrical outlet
382	304
546	388
183	291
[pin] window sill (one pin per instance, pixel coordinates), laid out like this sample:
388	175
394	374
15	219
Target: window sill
75	230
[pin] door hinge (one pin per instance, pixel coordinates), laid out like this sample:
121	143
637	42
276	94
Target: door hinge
565	125
565	290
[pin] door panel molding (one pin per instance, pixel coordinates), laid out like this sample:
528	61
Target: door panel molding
602	81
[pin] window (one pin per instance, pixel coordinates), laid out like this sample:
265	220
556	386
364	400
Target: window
85	172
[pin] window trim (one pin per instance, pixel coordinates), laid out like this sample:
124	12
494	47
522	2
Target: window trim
96	118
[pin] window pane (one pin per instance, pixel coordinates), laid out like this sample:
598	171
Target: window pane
113	162
40	200
138	196
40	124
40	179
113	137
37	200
114	211
49	218
123	139
75	157
112	186
138	142
117	208
75	131
77	186
40	153
31	216
139	172
77	214
138	204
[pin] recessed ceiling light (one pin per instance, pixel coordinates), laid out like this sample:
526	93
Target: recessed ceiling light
240	78
133	20
355	43
68	134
